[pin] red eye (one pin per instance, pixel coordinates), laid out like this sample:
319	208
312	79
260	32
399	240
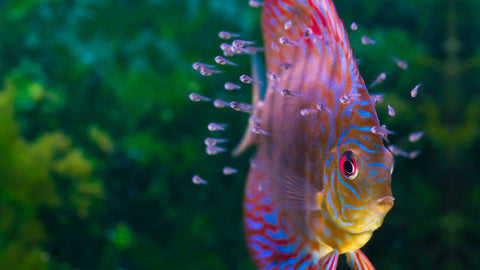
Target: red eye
348	165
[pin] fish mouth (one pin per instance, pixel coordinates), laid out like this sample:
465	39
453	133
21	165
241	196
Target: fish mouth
383	205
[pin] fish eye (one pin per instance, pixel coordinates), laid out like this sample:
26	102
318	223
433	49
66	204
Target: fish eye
348	165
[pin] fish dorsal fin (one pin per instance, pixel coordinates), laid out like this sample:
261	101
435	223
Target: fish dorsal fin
289	190
310	23
249	137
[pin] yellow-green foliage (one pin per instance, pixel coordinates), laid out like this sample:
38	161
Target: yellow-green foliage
30	173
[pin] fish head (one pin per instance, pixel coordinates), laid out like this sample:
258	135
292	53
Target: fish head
357	183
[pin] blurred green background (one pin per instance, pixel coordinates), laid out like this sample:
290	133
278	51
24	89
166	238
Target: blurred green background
98	140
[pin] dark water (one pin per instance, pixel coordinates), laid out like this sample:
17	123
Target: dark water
98	140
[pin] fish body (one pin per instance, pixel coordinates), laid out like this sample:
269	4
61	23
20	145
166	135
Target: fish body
318	186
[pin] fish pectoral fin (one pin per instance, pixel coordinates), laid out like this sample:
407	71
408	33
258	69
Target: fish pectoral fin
292	191
358	261
329	261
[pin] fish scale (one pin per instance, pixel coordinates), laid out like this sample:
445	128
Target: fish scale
299	210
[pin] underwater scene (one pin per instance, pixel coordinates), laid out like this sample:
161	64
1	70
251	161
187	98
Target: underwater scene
239	134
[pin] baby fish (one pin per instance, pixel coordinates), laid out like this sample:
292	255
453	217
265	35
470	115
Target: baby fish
414	137
216	127
322	107
367	41
286	41
227	35
229	170
200	66
218	103
207	71
213	150
227	49
414	154
231	86
198	181
414	91
391	111
196	97
287	25
241	43
400	63
246	79
241	107
399	152
376	99
222	61
382	131
349	97
353	26
305	111
289	93
273	76
258	130
380	78
214	141
255	4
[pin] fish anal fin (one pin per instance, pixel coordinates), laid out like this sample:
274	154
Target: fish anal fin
358	261
329	261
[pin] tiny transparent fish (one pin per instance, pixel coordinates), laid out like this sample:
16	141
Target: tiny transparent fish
380	78
197	180
246	79
353	26
222	61
376	99
258	130
241	107
349	97
305	111
414	137
400	63
287	25
213	150
255	4
218	103
289	93
273	76
214	141
231	86
229	170
414	91
367	41
200	66
241	43
322	107
196	97
207	71
227	35
286	41
391	111
382	131
216	127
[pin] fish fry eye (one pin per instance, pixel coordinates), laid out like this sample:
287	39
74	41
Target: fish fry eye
348	165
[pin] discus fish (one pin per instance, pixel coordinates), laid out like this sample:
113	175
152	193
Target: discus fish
318	186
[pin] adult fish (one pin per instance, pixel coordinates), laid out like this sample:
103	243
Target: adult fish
320	182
